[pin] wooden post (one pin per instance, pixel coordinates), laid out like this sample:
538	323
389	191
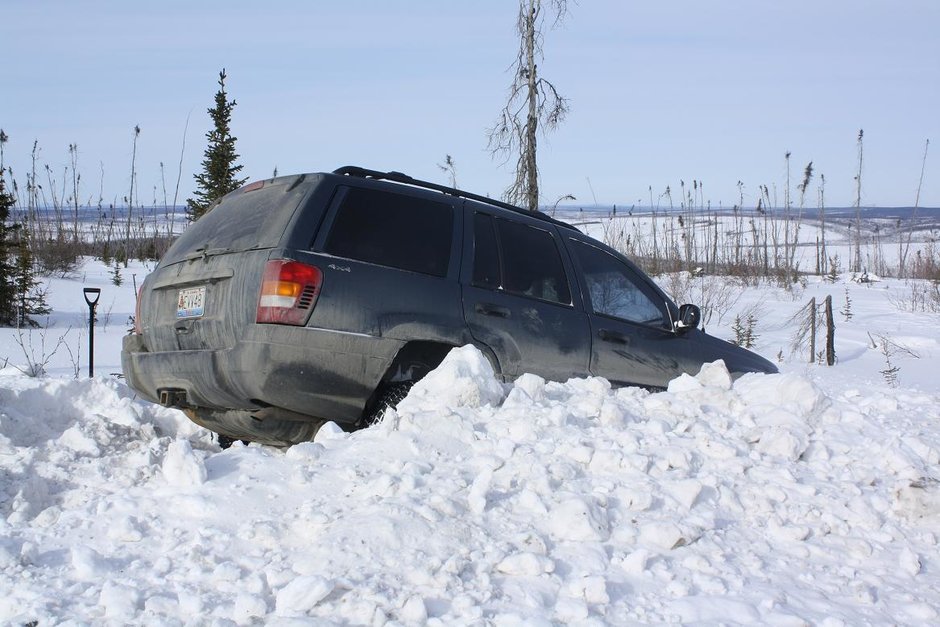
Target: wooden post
812	330
830	334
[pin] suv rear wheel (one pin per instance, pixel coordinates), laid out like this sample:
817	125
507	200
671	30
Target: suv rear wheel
388	397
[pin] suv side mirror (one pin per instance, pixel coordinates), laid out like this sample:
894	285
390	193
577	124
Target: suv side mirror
689	317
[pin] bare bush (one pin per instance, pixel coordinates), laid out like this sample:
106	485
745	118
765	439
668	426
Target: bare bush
58	229
75	357
37	357
713	294
888	349
918	296
58	256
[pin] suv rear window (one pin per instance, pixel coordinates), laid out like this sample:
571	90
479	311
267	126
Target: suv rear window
531	263
527	256
393	230
252	219
485	253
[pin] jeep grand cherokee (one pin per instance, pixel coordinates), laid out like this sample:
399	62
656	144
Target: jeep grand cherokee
319	297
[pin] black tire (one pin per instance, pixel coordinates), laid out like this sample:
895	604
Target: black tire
225	441
389	395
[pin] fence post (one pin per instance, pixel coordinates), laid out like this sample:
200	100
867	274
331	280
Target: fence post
830	333
812	330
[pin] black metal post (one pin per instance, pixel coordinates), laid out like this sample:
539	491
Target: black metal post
92	294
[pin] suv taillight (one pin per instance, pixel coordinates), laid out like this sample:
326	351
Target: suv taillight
289	291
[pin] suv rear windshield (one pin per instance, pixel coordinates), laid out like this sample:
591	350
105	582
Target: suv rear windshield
393	230
252	219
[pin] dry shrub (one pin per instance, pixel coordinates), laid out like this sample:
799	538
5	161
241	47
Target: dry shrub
715	295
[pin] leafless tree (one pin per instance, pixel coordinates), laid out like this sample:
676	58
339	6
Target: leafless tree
130	197
857	265
532	101
910	231
449	167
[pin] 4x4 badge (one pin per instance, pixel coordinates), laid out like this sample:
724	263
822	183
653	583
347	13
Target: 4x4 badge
333	266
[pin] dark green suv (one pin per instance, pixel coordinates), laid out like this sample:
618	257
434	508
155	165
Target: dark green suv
319	297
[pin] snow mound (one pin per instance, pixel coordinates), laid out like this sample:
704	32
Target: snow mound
770	499
464	379
181	467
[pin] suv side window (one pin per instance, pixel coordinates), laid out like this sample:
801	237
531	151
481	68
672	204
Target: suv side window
393	230
613	288
485	253
531	263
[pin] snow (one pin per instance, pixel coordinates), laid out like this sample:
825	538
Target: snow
806	497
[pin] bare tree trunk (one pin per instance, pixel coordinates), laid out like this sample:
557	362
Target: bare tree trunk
812	330
33	226
786	223
532	119
655	267
73	154
130	198
543	106
179	175
910	229
858	207
822	223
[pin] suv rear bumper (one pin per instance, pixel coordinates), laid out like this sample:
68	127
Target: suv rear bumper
296	376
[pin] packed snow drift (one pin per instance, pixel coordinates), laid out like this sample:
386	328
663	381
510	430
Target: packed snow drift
770	499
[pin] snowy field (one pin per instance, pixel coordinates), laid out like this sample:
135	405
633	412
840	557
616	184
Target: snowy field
807	497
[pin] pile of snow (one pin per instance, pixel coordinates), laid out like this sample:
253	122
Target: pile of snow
771	499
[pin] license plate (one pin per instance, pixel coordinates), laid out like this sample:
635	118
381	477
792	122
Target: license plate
191	303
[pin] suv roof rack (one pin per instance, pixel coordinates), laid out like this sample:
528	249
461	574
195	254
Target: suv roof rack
399	177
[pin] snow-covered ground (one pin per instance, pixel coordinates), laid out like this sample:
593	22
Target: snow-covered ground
807	497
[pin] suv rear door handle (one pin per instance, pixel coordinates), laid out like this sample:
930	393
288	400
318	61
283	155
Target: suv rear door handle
489	309
614	337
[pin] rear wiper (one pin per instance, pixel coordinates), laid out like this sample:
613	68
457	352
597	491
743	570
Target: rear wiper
204	252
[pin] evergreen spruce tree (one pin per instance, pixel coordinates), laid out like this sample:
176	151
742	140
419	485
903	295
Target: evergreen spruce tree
7	243
218	176
29	295
20	294
7	269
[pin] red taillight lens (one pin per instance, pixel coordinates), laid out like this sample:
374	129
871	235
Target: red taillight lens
289	291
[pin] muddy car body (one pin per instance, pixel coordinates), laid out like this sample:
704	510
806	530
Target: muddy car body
324	296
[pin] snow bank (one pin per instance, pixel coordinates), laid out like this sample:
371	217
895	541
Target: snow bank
768	500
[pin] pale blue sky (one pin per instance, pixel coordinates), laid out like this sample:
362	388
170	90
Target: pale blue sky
659	91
